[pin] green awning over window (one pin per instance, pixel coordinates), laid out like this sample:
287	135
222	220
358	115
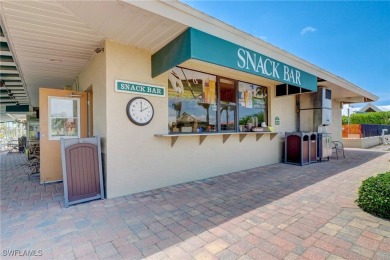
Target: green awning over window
194	44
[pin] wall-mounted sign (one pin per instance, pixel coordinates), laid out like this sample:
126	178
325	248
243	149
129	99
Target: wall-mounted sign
139	88
227	54
277	120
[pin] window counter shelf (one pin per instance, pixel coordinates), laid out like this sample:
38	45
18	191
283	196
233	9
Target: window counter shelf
225	136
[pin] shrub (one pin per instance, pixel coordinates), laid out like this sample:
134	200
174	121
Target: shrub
374	195
373	118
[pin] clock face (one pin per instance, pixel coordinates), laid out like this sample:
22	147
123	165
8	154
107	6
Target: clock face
140	111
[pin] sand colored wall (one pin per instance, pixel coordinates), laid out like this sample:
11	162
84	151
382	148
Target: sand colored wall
285	108
139	161
95	75
335	128
136	160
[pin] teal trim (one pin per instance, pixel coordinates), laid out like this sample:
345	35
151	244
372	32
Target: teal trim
172	54
195	44
20	108
139	88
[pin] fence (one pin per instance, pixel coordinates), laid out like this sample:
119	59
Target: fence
363	130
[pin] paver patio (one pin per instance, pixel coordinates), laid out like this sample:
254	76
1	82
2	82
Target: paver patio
278	211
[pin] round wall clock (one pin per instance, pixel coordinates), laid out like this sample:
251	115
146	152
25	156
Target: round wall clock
140	111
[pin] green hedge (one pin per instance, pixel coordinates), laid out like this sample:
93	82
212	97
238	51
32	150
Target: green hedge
373	118
374	195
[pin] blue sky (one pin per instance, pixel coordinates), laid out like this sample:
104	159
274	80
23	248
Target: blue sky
351	39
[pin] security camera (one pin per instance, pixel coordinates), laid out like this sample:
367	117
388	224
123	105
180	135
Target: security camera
99	50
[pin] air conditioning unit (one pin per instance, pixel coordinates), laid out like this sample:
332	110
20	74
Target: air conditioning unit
323	98
323	107
315	110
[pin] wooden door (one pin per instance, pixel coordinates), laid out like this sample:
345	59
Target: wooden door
63	114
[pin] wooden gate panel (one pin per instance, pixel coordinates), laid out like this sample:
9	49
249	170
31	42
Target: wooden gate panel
82	166
81	163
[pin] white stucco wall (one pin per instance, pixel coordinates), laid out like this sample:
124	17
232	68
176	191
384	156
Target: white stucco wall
139	161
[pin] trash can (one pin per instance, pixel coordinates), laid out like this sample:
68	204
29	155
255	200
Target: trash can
313	147
305	150
297	148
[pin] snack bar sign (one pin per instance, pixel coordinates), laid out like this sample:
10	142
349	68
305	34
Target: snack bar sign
139	88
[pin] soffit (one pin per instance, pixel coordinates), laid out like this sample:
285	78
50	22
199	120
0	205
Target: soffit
53	41
345	95
14	92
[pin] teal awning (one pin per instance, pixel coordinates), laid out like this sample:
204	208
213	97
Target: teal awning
194	44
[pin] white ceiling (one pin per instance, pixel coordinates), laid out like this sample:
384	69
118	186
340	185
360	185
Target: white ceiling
52	41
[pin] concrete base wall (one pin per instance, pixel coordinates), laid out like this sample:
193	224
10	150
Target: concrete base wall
363	142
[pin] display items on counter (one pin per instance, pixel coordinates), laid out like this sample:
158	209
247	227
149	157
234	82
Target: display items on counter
194	99
252	107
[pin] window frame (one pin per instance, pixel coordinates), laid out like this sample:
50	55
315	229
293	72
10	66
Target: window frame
57	138
219	130
218	103
266	107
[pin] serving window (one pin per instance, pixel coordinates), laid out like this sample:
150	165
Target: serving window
252	106
201	102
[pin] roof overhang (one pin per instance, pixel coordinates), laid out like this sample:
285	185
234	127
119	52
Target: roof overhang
52	42
191	17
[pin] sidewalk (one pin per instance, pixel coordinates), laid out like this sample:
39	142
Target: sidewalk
278	211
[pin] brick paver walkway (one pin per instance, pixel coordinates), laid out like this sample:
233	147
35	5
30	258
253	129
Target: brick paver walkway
274	212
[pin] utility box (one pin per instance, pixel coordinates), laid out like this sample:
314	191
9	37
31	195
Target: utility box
315	110
323	107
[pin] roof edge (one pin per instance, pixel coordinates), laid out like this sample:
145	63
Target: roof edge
191	17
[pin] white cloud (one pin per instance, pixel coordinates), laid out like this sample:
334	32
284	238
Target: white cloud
384	108
308	29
